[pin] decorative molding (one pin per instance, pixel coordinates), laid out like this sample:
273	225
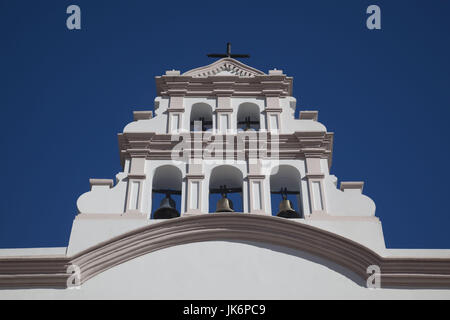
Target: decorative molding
175	110
159	146
50	272
276	72
101	182
172	72
272	92
356	185
278	110
228	66
309	115
256	176
224	77
315	175
259	86
142	115
223	92
136	176
195	176
218	110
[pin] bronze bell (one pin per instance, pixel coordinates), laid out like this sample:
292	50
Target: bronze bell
224	204
285	209
167	209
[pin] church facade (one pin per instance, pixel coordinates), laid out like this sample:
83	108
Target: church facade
225	194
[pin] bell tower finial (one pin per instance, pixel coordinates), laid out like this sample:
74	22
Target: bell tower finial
228	54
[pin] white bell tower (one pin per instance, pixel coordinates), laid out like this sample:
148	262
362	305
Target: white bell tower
223	186
227	128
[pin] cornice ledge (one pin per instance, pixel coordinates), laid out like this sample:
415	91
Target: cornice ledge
272	92
279	110
177	92
101	182
195	176
137	176
136	136
317	175
313	152
222	92
34	281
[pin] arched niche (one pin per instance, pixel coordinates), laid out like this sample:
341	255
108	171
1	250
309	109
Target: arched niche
167	177
201	112
232	178
285	177
248	117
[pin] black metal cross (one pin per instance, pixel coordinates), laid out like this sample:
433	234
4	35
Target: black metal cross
248	122
224	190
284	192
228	54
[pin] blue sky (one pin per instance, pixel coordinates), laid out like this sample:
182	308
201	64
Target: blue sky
64	96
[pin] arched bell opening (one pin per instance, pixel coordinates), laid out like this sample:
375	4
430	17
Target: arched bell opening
248	117
225	189
201	117
166	192
285	183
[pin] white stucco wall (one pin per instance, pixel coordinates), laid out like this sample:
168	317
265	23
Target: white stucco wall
105	200
226	270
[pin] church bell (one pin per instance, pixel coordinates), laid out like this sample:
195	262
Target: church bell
167	209
285	209
224	204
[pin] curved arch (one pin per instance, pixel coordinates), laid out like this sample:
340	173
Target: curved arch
248	111
286	177
201	112
50	272
225	174
231	177
228	227
165	177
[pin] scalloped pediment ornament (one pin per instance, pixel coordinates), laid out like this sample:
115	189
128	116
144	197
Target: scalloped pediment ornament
224	67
